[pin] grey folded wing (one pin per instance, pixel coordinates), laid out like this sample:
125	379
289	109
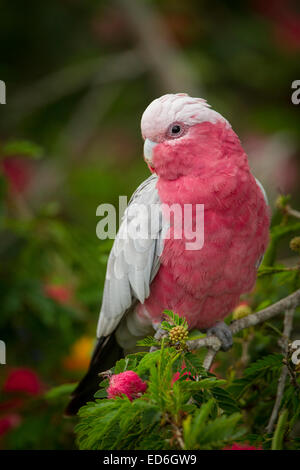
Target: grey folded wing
260	259
134	259
262	190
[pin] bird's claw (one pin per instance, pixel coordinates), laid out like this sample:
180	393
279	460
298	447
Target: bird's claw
159	334
223	332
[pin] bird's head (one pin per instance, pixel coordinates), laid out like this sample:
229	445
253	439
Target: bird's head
183	135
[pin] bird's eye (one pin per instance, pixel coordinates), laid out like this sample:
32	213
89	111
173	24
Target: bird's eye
175	130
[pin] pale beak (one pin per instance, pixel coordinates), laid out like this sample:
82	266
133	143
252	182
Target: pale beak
148	150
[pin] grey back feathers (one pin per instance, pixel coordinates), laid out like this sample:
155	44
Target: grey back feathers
133	261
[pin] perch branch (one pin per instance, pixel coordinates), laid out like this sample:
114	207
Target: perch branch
292	375
213	343
287	329
292	212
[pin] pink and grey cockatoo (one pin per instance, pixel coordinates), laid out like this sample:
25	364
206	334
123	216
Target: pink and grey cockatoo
195	158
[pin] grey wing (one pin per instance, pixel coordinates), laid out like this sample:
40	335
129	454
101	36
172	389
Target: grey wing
260	259
134	260
262	190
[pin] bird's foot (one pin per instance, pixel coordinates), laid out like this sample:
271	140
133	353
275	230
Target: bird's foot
159	334
223	332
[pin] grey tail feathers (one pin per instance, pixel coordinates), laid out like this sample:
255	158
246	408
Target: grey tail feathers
105	355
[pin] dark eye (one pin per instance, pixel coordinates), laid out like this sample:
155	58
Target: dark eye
175	130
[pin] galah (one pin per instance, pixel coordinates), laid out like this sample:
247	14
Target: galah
195	159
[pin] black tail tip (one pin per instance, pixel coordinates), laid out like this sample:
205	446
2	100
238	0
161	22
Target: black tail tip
106	353
73	407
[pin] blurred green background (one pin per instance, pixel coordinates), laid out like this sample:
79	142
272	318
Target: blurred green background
79	75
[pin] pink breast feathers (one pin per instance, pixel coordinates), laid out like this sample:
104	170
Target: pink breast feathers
205	285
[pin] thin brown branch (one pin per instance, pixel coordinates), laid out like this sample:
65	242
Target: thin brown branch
287	329
209	359
213	343
292	375
289	210
245	357
178	435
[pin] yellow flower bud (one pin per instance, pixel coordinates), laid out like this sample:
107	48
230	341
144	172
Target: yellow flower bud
178	334
280	202
295	244
241	311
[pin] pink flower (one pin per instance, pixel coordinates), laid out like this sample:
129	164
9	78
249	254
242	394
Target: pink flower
236	446
9	422
23	380
126	383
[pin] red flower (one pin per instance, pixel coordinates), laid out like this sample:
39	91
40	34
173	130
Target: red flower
18	172
126	383
23	380
285	20
175	377
177	374
62	294
9	422
236	446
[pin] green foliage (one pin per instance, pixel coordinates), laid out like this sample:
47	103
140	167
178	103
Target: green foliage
194	409
60	391
62	109
277	441
200	432
168	413
173	319
23	148
261	370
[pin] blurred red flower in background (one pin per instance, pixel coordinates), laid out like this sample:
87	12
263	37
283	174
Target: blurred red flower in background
9	422
18	172
236	446
23	380
285	19
59	293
